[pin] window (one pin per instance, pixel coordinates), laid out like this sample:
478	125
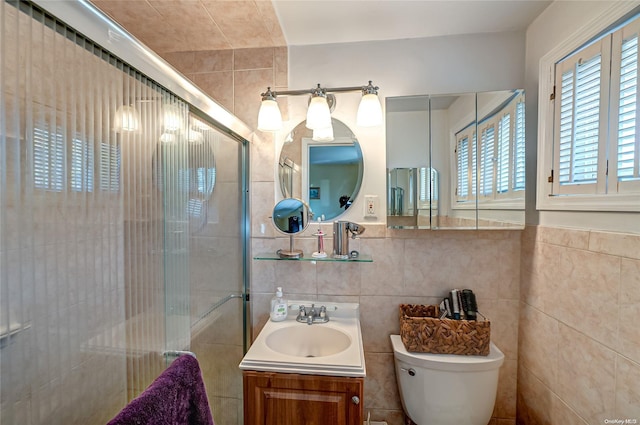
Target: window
48	160
590	146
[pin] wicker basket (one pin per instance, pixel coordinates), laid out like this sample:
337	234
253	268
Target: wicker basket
422	331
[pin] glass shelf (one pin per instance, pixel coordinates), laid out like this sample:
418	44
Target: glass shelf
362	258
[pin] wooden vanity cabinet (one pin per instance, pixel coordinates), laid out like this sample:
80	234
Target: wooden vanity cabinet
272	398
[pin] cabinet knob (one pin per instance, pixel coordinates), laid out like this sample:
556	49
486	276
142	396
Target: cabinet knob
355	399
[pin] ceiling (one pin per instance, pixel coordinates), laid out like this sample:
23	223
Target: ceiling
337	21
193	25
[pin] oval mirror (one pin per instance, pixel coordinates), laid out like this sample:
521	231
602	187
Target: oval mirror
193	175
323	170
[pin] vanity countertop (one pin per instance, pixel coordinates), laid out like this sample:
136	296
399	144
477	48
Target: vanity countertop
333	348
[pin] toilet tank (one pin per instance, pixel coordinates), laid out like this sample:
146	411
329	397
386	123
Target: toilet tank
447	389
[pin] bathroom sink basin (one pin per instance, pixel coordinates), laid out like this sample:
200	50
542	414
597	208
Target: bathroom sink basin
332	348
308	341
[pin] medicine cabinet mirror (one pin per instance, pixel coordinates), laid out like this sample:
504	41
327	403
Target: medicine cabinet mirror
456	161
324	171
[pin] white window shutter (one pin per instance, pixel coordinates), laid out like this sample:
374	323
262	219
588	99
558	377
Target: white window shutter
518	181
48	160
624	149
503	158
462	160
581	90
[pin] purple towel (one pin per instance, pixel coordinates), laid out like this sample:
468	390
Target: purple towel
176	397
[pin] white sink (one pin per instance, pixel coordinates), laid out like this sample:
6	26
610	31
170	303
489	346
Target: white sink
308	341
333	348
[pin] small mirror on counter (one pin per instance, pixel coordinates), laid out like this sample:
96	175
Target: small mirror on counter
323	170
291	216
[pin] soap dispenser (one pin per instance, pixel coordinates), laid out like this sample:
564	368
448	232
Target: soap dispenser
278	311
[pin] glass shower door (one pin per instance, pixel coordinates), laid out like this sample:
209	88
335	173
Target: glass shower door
204	243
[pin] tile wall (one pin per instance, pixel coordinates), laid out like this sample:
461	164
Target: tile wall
408	267
579	344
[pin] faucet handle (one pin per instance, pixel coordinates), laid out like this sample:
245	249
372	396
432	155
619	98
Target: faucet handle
323	312
303	311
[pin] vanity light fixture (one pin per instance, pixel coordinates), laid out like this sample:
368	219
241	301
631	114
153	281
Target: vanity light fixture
319	112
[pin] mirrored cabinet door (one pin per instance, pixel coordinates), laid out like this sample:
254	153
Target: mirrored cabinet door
456	161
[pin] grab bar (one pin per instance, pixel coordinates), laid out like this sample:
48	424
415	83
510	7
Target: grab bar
178	353
8	333
216	305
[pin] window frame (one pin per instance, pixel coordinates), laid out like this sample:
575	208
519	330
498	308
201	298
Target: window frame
546	198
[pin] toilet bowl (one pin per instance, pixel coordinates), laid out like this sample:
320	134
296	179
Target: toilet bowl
444	389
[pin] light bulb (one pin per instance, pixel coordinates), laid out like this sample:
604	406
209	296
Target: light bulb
369	111
172	118
269	117
318	114
126	119
323	134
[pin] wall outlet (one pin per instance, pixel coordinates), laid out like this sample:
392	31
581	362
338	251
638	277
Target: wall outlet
370	205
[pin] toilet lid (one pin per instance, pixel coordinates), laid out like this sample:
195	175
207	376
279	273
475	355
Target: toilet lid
452	362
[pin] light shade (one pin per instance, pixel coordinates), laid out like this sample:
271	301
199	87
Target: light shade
318	114
369	111
172	117
323	134
194	136
269	117
126	119
167	137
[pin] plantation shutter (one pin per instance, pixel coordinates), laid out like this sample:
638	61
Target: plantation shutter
625	148
518	180
109	167
487	157
504	147
48	160
462	159
81	166
580	96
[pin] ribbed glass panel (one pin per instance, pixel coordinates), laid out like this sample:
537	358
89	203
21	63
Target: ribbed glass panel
487	156
504	147
518	181
463	167
61	250
94	281
579	123
628	142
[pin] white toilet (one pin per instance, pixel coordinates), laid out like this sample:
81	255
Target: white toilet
443	389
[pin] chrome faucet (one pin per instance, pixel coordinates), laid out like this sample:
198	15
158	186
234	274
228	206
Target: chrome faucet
313	316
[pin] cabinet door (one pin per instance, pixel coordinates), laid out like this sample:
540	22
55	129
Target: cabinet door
292	399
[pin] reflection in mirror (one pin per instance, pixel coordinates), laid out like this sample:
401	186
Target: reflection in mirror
291	216
325	172
473	144
195	177
412	196
501	161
